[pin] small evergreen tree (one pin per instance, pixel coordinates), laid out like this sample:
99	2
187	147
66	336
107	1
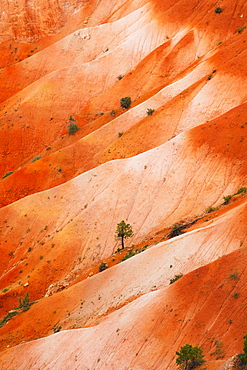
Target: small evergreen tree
123	231
125	102
189	357
243	357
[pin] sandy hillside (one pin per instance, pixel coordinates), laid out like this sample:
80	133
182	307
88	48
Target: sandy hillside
173	161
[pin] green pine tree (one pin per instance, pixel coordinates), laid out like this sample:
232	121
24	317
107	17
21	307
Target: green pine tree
189	357
243	357
123	231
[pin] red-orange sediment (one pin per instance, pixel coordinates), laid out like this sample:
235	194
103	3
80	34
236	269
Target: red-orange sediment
60	206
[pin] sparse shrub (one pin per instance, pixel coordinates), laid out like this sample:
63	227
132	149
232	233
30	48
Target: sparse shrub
132	253
219	351
72	128
241	190
189	357
240	29
176	277
5	290
150	111
218	10
235	295
71	118
120	77
36	158
211	209
128	255
234	276
8	317
175	231
56	328
125	102
24	303
227	199
120	134
112	112
7	174
103	266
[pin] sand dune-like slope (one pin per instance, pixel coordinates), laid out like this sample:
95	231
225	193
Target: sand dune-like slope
174	159
200	308
94	297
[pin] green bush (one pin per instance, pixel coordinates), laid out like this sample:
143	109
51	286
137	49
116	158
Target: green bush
36	158
234	276
150	111
132	253
241	190
128	255
8	317
211	209
218	10
125	102
24	303
176	277
175	231
227	199
72	128
103	266
240	29
7	174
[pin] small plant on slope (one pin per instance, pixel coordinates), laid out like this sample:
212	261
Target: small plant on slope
234	276
176	277
150	111
227	199
8	174
125	102
175	231
243	357
123	231
240	29
218	10
103	266
73	127
241	190
189	357
24	303
211	209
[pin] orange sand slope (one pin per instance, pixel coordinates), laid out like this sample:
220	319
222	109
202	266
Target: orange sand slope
170	159
200	308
